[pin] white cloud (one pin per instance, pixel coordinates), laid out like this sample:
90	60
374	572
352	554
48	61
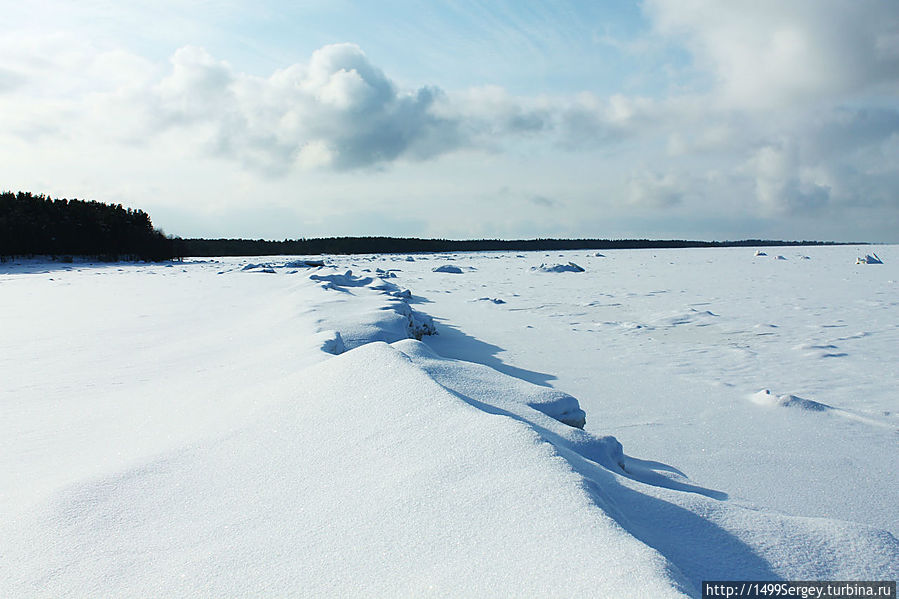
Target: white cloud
491	110
656	190
338	110
769	53
589	120
198	88
799	121
782	186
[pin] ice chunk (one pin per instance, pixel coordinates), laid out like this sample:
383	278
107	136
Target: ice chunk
570	267
869	259
448	268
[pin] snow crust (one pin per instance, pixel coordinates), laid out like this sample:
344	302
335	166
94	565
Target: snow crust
201	430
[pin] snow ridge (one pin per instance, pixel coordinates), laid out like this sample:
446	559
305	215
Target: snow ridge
367	309
714	537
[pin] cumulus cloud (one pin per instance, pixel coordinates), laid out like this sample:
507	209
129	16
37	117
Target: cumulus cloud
338	110
492	111
656	190
831	135
768	53
788	99
590	120
794	107
199	87
840	157
781	185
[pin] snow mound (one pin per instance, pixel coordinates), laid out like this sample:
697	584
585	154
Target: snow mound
570	267
766	398
266	268
487	386
347	279
780	257
760	253
691	316
331	342
448	268
869	259
271	266
368	310
418	324
492	300
408	474
367	478
304	264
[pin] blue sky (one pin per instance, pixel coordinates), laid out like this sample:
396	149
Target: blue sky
687	118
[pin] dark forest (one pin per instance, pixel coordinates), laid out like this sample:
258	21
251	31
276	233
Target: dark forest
37	225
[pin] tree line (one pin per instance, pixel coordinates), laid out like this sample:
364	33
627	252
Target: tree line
407	245
38	225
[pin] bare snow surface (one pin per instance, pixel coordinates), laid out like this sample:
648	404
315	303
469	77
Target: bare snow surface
288	428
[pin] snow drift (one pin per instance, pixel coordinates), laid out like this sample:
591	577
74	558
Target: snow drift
766	398
366	309
483	386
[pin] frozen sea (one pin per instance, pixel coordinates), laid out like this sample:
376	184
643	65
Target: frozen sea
399	425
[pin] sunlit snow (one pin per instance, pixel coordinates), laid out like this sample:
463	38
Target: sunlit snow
369	426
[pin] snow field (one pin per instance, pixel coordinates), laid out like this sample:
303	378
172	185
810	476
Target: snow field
193	431
664	349
368	479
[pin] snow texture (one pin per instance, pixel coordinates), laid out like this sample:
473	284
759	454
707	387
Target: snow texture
195	430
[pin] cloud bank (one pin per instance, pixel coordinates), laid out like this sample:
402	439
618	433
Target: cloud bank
773	112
